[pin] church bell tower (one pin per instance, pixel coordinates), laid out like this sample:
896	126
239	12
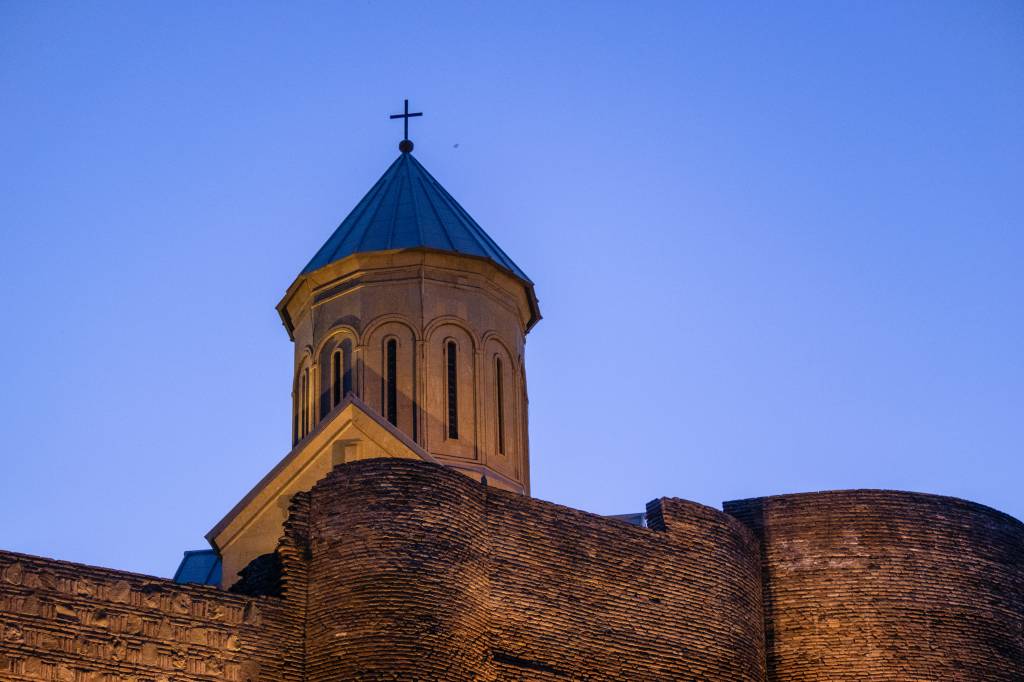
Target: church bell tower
409	327
412	309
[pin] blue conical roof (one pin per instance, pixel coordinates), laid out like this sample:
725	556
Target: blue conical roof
408	208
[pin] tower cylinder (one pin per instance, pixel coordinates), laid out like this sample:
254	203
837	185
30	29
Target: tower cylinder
398	574
884	585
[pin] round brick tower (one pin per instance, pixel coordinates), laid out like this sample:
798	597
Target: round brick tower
398	576
887	585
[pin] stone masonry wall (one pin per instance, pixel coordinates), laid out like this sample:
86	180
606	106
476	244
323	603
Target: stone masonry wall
68	622
420	573
879	585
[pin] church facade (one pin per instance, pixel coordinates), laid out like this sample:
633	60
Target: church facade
397	540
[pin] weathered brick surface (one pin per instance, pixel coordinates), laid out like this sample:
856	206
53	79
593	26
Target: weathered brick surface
402	570
598	599
880	585
73	623
420	573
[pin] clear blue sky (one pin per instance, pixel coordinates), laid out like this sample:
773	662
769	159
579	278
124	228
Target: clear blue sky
777	249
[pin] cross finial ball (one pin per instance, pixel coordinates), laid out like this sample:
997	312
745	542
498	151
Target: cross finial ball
405	146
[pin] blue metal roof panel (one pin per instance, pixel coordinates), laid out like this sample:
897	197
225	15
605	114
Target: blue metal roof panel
201	566
408	208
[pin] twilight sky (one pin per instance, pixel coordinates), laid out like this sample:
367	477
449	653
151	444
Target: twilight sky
777	249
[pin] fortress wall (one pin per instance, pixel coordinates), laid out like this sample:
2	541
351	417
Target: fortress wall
397	575
73	623
592	598
418	571
410	570
889	586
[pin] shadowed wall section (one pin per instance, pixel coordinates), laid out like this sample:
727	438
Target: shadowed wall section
889	586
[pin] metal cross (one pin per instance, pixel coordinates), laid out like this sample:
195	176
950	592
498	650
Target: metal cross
406	116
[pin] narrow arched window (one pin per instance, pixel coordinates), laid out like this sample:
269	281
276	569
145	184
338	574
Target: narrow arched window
391	381
453	389
305	401
499	390
340	384
336	372
346	367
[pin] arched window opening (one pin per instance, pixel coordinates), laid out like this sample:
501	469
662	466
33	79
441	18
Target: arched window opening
499	386
295	417
336	373
390	381
453	390
346	367
305	401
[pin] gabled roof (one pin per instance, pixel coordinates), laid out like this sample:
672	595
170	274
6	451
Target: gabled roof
352	431
408	208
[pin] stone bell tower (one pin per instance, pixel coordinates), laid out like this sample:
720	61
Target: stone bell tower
409	327
413	309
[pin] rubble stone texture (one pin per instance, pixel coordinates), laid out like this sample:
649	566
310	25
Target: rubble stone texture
394	569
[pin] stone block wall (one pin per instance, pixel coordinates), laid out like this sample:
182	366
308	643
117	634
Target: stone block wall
881	585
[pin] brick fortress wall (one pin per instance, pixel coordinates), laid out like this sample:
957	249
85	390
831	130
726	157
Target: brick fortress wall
396	569
67	622
886	585
418	572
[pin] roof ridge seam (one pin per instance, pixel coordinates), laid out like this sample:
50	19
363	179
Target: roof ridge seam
416	214
502	257
355	214
379	202
433	208
403	181
365	217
